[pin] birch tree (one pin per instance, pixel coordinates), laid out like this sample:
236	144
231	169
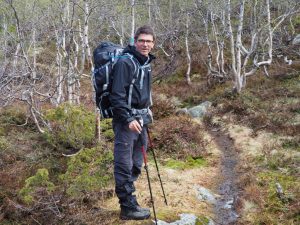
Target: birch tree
261	38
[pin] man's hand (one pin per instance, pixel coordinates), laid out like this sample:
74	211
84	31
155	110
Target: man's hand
135	126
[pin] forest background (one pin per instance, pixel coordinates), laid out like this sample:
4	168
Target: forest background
242	56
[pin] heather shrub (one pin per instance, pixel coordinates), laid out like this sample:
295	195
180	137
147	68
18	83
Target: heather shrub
163	106
178	137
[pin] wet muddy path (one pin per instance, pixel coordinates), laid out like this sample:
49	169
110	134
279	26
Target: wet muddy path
227	188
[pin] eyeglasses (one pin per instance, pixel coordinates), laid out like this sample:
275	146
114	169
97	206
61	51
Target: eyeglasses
142	41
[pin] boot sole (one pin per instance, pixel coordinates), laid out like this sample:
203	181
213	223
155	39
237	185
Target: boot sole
135	218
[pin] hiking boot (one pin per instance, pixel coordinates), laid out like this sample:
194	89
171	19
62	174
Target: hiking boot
128	213
139	208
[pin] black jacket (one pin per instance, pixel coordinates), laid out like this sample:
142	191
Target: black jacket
123	74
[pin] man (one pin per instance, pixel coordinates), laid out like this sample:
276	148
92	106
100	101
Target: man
130	98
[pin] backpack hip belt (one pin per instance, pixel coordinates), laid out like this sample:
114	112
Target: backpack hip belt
140	111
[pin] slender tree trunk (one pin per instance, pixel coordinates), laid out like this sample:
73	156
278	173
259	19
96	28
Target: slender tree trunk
215	34
59	78
5	39
83	55
85	33
132	22
189	61
34	54
240	78
149	11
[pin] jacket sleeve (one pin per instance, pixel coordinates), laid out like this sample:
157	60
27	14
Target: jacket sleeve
122	76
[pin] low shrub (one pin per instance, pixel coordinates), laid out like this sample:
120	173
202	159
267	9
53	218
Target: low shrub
178	137
13	116
35	185
4	144
163	106
106	129
72	127
88	171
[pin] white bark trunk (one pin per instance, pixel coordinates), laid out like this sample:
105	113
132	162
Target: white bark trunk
232	44
215	34
83	56
149	11
16	57
239	79
85	33
188	72
131	42
5	39
34	54
59	78
270	38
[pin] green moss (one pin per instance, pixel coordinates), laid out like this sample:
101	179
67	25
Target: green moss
202	220
289	184
167	215
189	163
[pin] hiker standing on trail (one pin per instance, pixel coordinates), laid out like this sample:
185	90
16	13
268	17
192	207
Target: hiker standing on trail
130	99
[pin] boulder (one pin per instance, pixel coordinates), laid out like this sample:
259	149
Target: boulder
199	110
204	194
296	40
183	111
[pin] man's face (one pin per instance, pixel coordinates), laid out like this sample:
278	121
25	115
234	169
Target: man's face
144	43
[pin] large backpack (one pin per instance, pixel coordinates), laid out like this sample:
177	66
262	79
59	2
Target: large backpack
106	56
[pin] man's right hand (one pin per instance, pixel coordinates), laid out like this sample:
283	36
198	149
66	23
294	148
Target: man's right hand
135	126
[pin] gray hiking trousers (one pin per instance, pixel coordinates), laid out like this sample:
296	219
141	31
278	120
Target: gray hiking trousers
128	159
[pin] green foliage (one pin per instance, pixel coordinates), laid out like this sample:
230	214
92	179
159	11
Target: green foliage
296	20
12	116
189	163
293	144
90	170
72	126
106	129
4	144
34	184
273	204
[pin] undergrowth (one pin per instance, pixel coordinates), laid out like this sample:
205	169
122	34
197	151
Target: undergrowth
71	127
178	137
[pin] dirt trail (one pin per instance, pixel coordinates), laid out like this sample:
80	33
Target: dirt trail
180	187
227	189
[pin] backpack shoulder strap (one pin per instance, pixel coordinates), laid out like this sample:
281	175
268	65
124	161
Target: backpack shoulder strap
137	66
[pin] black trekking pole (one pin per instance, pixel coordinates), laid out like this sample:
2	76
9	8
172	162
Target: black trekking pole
154	157
146	168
